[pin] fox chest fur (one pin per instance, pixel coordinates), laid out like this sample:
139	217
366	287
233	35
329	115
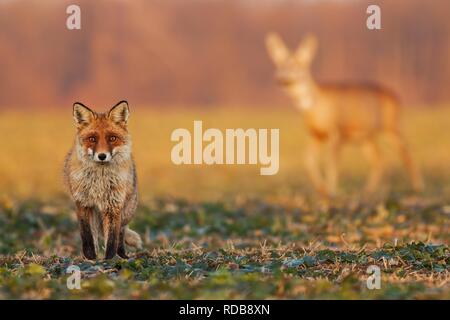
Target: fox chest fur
103	187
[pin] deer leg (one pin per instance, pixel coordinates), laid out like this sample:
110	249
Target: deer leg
312	166
411	167
332	165
373	155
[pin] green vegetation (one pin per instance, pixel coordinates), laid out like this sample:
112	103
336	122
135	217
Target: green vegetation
226	231
241	249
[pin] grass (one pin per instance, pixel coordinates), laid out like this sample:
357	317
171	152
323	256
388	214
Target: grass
225	231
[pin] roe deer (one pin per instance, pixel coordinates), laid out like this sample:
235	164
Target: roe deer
337	114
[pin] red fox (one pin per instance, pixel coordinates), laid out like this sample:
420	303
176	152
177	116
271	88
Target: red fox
339	114
100	174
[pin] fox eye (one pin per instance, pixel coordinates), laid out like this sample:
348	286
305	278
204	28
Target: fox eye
92	139
112	138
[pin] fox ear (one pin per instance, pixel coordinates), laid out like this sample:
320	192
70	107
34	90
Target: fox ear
82	114
119	113
307	49
276	48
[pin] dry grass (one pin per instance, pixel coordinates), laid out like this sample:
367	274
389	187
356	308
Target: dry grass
226	231
34	146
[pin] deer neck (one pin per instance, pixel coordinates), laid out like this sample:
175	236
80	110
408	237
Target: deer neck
305	94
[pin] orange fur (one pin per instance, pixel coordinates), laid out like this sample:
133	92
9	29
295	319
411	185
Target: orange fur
336	114
101	177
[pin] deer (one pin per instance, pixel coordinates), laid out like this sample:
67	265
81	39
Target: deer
336	114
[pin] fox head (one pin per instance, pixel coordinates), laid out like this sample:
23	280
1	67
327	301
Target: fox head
292	68
102	138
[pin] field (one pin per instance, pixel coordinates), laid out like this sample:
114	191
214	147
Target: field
225	231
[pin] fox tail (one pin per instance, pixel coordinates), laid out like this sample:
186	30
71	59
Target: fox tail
132	238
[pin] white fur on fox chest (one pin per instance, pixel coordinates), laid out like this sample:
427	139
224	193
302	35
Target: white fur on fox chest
102	186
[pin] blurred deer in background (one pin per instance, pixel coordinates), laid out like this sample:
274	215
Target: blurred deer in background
337	114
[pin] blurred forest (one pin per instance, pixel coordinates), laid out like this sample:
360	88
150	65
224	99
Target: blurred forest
211	52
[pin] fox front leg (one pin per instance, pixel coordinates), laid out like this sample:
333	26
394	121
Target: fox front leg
121	249
111	228
87	240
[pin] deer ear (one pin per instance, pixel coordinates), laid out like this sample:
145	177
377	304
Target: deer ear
307	49
82	114
276	48
119	113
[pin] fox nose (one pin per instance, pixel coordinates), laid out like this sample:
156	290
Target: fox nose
101	156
